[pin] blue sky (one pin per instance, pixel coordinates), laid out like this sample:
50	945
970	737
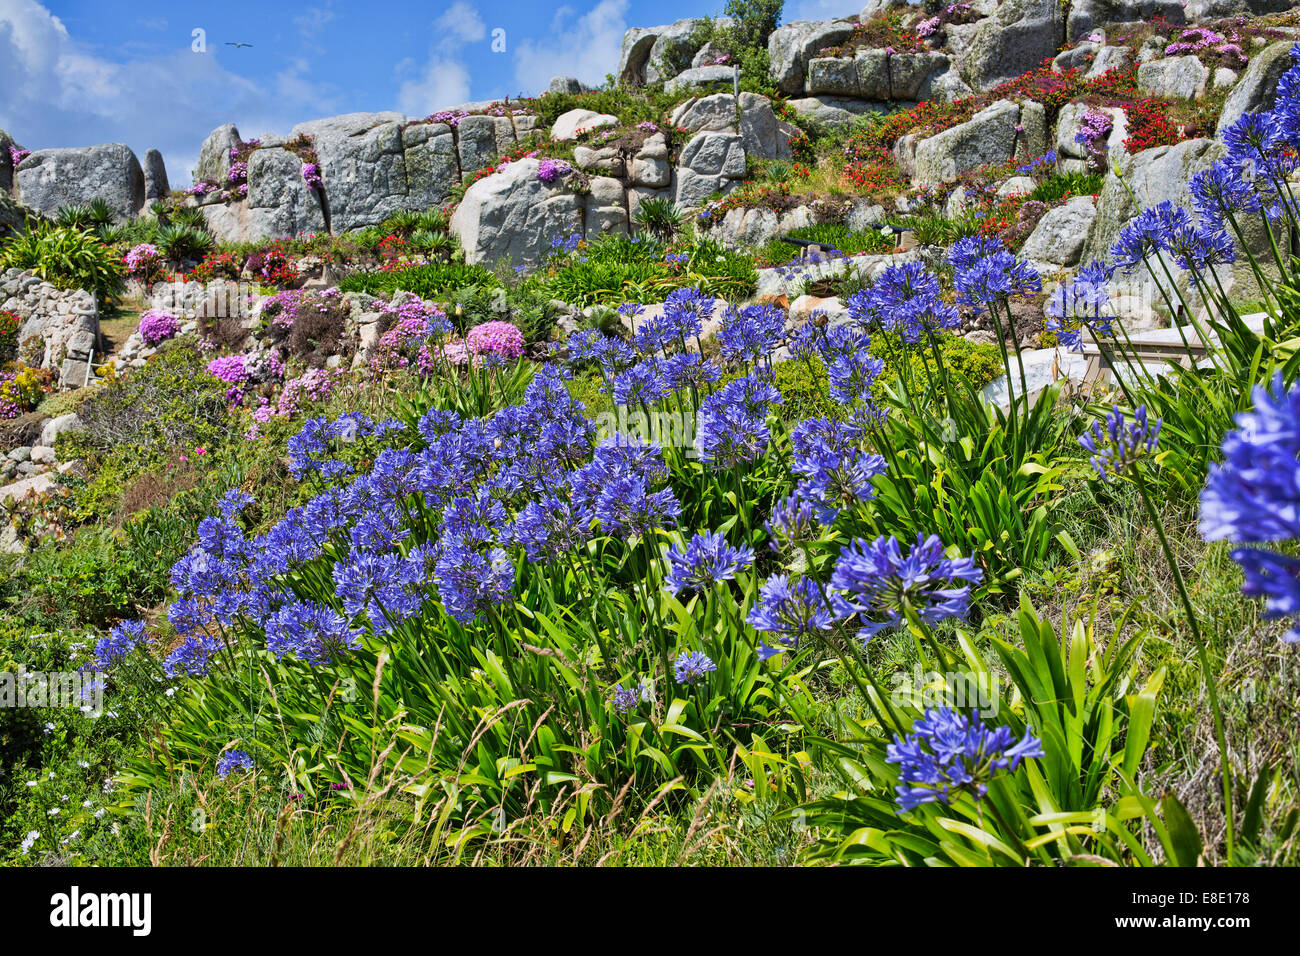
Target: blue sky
81	72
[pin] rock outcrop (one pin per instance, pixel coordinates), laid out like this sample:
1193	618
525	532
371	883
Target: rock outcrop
50	178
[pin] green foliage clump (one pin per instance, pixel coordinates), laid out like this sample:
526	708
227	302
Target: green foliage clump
67	258
170	404
428	281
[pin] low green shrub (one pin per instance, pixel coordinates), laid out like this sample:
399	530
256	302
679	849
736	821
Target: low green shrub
428	281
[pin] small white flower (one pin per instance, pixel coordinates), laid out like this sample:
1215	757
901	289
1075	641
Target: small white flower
30	841
53	812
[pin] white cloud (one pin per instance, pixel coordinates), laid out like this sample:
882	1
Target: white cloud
57	92
443	80
459	24
588	48
441	83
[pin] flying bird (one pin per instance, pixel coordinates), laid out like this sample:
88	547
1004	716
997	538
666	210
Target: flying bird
230	43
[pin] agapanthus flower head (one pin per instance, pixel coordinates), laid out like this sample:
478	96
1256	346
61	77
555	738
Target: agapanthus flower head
837	472
877	582
1120	445
626	699
1148	234
1080	304
994	278
1276	578
1254	494
731	426
1222	190
1196	248
691	666
120	642
793	522
313	632
948	753
706	560
750	333
790	610
970	249
233	761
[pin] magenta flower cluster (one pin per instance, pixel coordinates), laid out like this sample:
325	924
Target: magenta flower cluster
495	338
158	326
17	155
550	170
311	175
140	257
229	368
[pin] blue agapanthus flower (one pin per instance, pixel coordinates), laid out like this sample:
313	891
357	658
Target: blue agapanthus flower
233	761
837	472
1254	494
877	582
751	333
315	633
948	753
691	666
706	560
1148	234
790	611
731	426
1276	578
1221	191
626	699
1080	305
120	642
1117	447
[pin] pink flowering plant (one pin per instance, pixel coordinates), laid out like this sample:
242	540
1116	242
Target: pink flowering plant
157	326
143	262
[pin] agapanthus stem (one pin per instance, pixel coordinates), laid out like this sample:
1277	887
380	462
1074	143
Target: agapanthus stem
1206	673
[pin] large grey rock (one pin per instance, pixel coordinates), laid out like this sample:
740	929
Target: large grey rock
432	168
1109	58
673	49
791	46
762	133
55	427
987	138
155	176
874	74
1258	85
50	178
1073	155
700	76
650	166
715	113
279	202
363	166
1077	57
753	227
512	216
214	154
1175	77
1015	40
1157	175
1089	15
1199	11
6	162
754	119
476	142
566	84
637	44
835	111
605	207
1060	234
1154	175
656	54
568	124
709	163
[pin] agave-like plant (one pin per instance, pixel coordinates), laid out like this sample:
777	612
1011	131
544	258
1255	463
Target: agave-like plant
659	217
179	241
